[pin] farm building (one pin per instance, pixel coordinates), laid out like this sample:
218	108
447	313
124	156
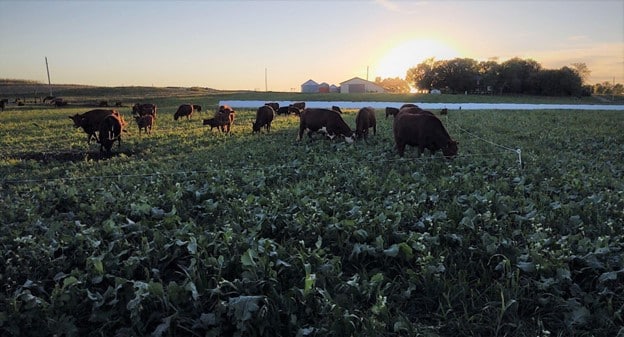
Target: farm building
359	85
333	88
323	88
310	86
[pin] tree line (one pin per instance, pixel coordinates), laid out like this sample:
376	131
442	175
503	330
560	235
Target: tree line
514	76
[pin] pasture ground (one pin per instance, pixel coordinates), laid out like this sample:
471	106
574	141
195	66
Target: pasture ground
192	232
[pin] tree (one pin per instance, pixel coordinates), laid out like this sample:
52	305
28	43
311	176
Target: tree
394	85
458	75
517	76
421	76
582	70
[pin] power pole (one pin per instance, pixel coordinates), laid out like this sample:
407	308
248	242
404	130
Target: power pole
48	70
266	86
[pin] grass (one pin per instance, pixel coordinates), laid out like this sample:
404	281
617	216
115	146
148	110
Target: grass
193	232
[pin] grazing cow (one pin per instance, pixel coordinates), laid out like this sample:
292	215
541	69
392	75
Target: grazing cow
110	131
197	107
415	110
145	123
287	110
144	109
390	111
215	122
225	115
424	131
273	105
444	111
58	102
364	120
336	108
299	105
3	103
264	117
323	120
183	110
90	121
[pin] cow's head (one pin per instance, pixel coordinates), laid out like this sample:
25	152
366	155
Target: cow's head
77	120
451	149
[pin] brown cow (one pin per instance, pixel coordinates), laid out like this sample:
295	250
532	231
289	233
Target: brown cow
326	121
364	120
336	108
226	116
90	121
110	129
144	123
264	117
424	131
183	110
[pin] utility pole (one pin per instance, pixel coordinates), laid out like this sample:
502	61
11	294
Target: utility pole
266	86
48	70
367	73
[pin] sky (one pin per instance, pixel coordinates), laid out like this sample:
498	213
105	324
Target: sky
279	45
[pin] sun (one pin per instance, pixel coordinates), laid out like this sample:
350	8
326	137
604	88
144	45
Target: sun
408	54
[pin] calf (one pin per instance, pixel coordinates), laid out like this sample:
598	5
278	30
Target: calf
424	131
326	121
145	123
264	117
364	120
183	110
144	109
215	123
90	121
225	115
110	131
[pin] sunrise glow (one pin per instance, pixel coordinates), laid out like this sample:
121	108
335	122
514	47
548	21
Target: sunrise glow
408	54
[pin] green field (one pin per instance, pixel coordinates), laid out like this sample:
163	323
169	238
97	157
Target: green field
188	232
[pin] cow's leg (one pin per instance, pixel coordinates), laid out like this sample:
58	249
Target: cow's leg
400	148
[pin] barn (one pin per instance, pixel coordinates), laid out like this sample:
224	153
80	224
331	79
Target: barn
310	87
323	88
333	88
359	85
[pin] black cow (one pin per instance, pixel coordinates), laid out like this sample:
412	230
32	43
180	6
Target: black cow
110	131
364	120
264	117
197	107
3	103
336	108
273	105
144	109
215	122
326	121
424	131
287	110
184	110
145	123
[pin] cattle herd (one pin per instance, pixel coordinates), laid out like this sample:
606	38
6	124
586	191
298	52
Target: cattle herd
411	126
